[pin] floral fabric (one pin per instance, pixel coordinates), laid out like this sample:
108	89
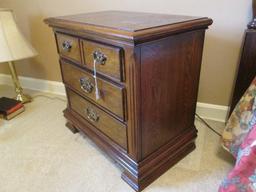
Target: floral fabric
239	138
243	176
241	120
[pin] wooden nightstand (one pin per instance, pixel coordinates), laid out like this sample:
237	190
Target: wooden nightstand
148	68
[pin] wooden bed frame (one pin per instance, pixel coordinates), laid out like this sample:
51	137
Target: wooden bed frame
247	67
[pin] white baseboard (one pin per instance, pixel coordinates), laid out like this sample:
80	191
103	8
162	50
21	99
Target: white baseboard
212	112
205	110
53	87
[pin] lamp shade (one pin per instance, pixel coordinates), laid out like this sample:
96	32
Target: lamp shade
13	45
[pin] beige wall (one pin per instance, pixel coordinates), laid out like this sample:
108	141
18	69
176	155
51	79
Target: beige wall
222	45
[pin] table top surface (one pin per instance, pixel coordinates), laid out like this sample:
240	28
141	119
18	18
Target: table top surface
127	21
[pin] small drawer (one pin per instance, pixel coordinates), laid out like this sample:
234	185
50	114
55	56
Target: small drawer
108	59
68	47
111	96
100	119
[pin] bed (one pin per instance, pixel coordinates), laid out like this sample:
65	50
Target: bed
239	138
239	135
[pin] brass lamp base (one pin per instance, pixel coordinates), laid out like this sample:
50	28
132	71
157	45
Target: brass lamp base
23	98
18	89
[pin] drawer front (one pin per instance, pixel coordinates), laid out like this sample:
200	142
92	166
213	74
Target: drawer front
68	47
111	96
109	59
100	119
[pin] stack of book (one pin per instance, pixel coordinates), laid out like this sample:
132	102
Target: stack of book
10	108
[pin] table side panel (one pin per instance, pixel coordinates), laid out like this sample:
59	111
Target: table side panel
170	71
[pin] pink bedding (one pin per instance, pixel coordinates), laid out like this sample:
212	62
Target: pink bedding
243	176
239	138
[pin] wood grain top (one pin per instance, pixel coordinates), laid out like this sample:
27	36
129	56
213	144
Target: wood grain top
128	25
126	21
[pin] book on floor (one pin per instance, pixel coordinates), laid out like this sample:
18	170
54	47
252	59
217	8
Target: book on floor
10	108
14	114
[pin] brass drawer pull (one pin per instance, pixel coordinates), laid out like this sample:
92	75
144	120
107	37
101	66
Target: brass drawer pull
66	46
99	57
92	114
86	84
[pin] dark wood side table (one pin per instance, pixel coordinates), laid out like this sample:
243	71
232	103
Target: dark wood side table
148	69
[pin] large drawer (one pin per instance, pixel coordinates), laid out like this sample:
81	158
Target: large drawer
100	119
68	47
109	59
111	96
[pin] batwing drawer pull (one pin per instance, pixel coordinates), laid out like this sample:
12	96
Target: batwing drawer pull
99	57
92	114
66	46
86	84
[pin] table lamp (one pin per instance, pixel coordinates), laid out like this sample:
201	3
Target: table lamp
13	47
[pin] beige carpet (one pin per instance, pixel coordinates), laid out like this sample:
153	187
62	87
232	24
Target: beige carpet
39	154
